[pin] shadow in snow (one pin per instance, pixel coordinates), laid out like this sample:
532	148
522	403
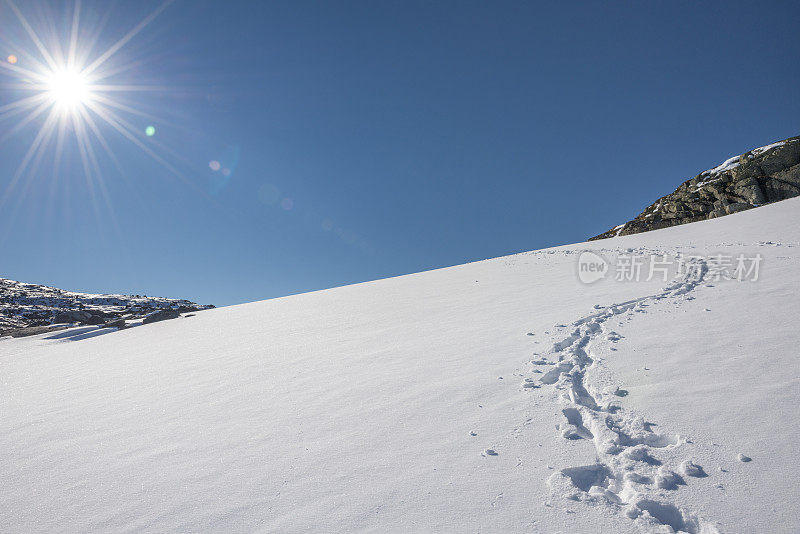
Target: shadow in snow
77	334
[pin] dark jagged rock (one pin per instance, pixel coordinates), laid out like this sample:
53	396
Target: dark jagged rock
118	323
161	315
72	316
760	176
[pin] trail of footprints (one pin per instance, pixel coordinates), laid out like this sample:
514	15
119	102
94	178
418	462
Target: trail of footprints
627	474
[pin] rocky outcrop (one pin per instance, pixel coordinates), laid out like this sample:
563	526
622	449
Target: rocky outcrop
118	323
26	309
760	176
161	315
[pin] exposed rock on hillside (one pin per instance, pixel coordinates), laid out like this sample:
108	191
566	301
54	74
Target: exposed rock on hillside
160	315
760	176
27	306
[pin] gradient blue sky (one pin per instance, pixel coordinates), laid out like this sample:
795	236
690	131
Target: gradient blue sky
372	139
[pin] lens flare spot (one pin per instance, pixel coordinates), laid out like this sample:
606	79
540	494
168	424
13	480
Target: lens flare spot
214	165
287	204
12	59
150	131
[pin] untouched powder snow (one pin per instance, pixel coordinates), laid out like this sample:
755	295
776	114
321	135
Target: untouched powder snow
498	396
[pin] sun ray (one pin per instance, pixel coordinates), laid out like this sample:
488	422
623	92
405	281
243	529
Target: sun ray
17	86
73	35
83	53
87	171
24	72
116	104
44	106
112	71
130	35
101	185
126	130
102	140
130	129
56	174
94	128
20	106
50	31
32	34
43	131
95	174
62	133
130	88
49	131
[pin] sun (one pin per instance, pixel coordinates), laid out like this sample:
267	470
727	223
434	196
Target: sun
68	89
59	83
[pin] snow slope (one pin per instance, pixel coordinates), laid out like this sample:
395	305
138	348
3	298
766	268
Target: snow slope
498	396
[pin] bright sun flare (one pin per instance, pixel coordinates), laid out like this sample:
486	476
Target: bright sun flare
68	89
64	86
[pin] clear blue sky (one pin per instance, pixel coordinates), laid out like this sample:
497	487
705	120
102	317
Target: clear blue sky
371	139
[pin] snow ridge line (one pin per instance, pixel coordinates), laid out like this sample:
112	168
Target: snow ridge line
627	474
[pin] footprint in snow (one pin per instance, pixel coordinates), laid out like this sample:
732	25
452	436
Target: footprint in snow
668	480
691	469
625	441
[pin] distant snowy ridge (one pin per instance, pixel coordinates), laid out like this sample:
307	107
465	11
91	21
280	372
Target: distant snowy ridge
24	305
760	176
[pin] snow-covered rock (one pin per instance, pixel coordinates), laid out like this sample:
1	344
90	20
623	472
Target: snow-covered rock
24	305
761	176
